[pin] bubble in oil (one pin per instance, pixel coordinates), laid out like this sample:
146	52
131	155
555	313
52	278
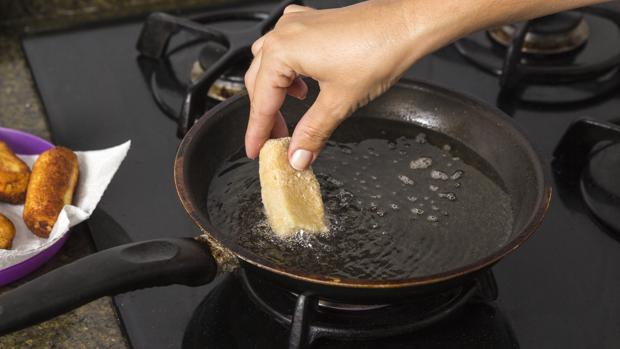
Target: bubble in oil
421	138
374	178
433	187
432	218
412	198
406	180
457	174
436	174
435	208
417	211
380	213
450	196
331	180
420	163
394	206
456	158
446	147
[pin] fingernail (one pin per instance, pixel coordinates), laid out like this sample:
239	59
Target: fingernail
301	159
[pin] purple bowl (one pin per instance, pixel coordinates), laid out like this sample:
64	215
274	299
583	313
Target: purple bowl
25	143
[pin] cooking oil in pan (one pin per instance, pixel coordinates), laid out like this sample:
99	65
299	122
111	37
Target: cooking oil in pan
399	206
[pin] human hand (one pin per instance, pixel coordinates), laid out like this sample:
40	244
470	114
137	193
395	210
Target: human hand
355	53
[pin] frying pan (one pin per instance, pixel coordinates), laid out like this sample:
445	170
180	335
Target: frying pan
218	135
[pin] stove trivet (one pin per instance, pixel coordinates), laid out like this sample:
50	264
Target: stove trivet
228	52
583	70
309	318
228	318
589	154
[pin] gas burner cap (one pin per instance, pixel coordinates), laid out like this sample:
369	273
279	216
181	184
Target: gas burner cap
559	33
600	186
227	85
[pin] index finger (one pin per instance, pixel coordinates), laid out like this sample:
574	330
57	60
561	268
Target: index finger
270	88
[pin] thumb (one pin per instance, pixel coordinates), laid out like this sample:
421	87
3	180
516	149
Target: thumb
314	129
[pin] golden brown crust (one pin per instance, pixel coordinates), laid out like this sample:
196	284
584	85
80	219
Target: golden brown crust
14	175
7	232
52	184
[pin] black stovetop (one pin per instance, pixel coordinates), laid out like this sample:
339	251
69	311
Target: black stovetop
560	290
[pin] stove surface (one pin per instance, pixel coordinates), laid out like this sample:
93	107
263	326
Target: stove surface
559	290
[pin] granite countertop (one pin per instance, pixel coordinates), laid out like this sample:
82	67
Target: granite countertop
94	325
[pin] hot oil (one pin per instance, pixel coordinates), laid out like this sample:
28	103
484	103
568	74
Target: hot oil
399	206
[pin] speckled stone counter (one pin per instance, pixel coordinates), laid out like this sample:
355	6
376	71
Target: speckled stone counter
96	324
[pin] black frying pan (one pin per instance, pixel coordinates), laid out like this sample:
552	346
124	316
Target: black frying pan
219	134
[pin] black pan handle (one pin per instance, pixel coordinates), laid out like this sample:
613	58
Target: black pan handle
112	271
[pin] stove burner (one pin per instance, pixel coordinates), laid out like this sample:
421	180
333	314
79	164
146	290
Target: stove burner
558	33
230	318
589	154
600	186
309	318
225	48
229	83
575	68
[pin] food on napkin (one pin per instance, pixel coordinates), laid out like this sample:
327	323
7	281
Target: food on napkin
7	232
292	199
14	174
52	184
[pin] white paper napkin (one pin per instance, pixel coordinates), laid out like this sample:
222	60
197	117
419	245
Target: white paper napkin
97	168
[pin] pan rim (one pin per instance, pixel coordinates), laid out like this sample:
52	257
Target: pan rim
533	222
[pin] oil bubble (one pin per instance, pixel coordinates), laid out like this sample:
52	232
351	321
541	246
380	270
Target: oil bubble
433	187
420	163
417	211
457	174
405	179
450	196
432	218
421	138
436	174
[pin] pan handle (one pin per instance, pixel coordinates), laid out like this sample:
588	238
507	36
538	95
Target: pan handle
116	270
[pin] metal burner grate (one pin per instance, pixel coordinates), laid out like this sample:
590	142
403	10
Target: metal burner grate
531	58
231	54
310	318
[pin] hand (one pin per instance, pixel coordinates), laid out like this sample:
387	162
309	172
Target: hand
356	53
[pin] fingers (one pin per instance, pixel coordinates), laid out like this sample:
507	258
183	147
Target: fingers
279	129
298	89
271	84
314	129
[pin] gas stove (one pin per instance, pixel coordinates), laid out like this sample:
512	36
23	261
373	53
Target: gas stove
557	77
